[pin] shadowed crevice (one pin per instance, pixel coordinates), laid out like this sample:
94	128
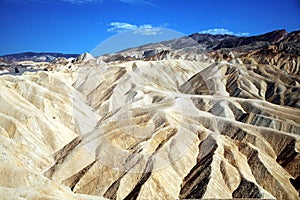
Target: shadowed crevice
145	176
61	155
195	183
246	189
296	183
287	154
73	180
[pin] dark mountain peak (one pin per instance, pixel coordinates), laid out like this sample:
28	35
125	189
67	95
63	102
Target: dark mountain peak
291	43
255	41
220	41
272	37
200	38
293	36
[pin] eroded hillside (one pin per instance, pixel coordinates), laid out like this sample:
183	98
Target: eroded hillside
213	126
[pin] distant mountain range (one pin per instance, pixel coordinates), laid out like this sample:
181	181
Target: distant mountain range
37	57
278	48
194	44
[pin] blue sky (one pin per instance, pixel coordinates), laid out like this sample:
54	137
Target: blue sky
77	26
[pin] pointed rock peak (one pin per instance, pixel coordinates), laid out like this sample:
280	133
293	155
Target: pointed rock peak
84	57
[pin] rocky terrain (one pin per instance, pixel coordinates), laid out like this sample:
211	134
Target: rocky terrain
200	117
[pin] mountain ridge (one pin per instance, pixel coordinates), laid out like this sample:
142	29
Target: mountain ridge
200	38
209	41
35	56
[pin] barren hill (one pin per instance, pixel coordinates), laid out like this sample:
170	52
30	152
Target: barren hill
179	123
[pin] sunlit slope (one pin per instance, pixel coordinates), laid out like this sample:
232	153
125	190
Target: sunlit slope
151	129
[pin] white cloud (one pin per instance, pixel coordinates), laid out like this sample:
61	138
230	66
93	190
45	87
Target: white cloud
121	27
222	31
145	29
